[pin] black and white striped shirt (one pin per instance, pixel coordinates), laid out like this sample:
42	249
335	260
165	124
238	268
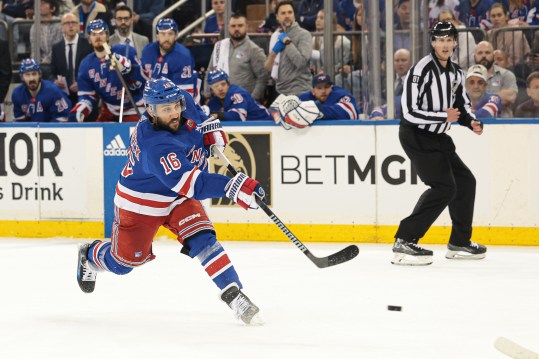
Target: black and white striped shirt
429	91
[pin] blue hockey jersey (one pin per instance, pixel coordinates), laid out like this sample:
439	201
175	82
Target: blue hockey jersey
490	106
340	104
239	105
95	79
165	168
51	104
178	65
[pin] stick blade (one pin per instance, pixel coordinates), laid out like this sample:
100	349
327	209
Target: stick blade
342	256
514	350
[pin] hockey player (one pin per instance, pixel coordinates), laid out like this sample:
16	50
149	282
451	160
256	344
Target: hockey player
38	100
97	78
231	102
165	57
162	184
334	102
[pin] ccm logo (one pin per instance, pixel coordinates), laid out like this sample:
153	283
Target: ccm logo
188	218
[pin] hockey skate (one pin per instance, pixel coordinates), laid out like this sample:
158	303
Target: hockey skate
471	251
242	306
86	275
410	254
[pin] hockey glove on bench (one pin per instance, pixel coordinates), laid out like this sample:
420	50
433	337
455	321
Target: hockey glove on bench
243	189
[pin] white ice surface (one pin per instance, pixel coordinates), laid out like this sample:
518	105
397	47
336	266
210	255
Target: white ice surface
169	308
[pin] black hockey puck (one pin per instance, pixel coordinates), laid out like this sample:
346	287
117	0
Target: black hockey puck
394	308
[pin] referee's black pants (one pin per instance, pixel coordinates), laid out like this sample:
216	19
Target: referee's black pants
451	184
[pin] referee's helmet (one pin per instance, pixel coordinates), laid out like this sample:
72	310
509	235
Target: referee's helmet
443	29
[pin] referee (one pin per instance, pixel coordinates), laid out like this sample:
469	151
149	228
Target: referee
433	97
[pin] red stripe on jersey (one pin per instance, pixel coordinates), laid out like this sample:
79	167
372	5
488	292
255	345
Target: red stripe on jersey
185	188
141	201
493	108
349	107
218	264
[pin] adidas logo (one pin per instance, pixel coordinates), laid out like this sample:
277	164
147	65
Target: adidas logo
116	147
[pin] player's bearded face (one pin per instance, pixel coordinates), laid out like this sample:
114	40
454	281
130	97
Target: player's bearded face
321	92
168	116
32	80
97	39
166	39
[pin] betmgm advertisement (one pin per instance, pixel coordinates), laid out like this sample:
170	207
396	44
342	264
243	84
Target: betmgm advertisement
341	179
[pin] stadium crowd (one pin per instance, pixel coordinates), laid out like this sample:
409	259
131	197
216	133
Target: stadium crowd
95	56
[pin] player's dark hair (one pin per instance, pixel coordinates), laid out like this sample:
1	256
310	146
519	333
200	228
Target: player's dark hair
534	75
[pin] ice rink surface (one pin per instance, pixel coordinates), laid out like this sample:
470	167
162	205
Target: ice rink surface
169	308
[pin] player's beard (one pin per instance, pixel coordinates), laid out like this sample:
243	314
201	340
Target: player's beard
33	85
172	125
166	47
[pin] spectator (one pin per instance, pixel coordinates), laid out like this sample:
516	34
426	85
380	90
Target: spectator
270	24
463	54
401	37
97	80
167	58
38	100
67	56
334	102
340	48
291	48
350	76
401	64
21	9
513	43
521	12
436	7
215	23
474	13
65	6
123	17
50	34
345	11
89	10
356	39
144	11
501	59
484	105
8	20
500	81
5	76
307	12
530	108
230	102
241	58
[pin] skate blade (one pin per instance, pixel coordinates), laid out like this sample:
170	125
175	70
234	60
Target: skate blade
256	320
402	259
463	255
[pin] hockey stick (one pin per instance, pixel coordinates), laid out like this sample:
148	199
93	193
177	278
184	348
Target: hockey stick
113	61
341	256
514	350
122	106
